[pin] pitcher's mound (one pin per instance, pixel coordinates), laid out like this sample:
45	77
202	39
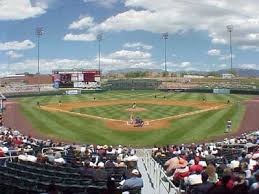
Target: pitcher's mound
136	109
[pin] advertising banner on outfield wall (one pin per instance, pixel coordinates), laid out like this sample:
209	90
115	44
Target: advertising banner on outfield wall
221	91
73	92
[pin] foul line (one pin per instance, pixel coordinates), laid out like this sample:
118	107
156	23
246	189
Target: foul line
117	120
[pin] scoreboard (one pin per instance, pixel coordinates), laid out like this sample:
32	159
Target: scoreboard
88	79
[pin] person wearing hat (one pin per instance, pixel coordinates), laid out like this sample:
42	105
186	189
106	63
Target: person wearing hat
135	182
181	171
255	186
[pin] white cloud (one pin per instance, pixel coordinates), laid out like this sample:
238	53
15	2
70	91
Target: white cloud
83	23
226	57
15	45
185	64
103	3
174	17
181	66
249	66
215	39
13	55
80	37
116	60
247	47
222	66
126	54
214	52
46	65
20	9
221	56
137	45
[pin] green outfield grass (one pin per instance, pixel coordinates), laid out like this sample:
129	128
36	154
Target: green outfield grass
120	112
85	130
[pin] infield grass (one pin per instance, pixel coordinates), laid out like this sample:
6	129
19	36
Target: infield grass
151	111
87	130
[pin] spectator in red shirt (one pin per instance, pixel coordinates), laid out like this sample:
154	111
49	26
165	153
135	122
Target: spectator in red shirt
196	167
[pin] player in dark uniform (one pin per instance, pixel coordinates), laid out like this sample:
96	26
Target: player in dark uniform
38	104
229	124
59	103
203	99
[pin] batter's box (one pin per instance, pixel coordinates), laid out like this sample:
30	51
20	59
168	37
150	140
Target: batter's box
146	123
131	123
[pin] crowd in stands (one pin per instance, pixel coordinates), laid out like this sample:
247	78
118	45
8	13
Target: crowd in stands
227	167
43	166
31	165
22	88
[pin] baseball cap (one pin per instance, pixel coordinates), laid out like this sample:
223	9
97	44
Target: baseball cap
135	172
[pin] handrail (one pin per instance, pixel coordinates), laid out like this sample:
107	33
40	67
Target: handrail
8	157
48	148
158	176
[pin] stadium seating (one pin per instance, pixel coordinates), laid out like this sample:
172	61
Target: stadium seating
235	158
66	169
39	166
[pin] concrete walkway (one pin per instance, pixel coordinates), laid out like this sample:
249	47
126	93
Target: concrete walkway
149	180
148	187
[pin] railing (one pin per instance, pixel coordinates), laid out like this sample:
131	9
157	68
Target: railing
58	149
157	176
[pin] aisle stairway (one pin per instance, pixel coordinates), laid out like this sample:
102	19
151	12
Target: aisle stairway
148	186
149	182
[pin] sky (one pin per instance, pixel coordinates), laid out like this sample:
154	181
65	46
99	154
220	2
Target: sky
198	39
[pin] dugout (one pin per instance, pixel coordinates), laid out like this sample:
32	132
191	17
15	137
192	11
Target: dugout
137	84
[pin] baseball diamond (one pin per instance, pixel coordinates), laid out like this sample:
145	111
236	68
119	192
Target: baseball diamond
105	119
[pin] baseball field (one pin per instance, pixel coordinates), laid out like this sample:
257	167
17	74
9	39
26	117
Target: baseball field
104	118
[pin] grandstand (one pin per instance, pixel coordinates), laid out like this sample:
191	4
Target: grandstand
30	165
137	84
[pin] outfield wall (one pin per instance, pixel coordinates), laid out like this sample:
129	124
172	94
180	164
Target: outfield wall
204	90
62	92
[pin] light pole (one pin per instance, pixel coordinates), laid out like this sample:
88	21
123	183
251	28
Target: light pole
39	33
165	37
230	29
99	38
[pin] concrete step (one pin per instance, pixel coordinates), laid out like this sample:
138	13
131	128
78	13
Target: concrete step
148	187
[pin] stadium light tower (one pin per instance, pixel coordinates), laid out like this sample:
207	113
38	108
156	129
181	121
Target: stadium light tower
99	38
165	37
230	29
39	33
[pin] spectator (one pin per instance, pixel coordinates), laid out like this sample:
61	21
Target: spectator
135	182
205	187
211	172
255	186
222	189
196	167
240	186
